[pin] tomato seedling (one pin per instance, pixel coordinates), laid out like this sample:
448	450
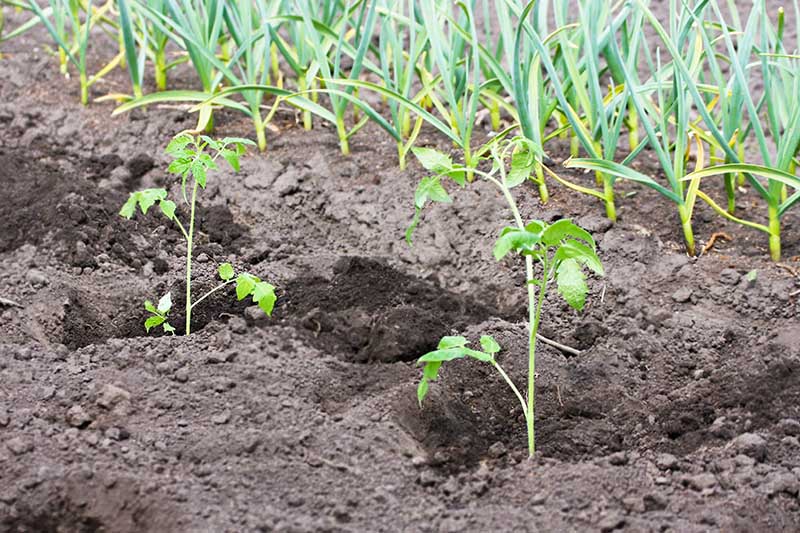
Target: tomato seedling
561	250
193	157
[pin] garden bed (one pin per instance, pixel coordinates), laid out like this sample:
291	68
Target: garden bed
682	412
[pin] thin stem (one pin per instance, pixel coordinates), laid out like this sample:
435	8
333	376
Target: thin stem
84	89
534	311
544	195
161	69
730	192
505	190
608	197
633	126
302	86
774	233
513	387
494	113
62	60
212	291
534	316
688	233
259	127
401	155
341	130
180	227
189	242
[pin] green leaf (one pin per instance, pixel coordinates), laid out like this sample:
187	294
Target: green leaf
168	208
751	276
168	328
515	239
165	304
572	283
447	354
198	169
564	228
264	296
129	208
433	160
144	199
178	143
148	305
225	271
245	283
231	157
431	370
458	175
152	322
758	170
211	143
452	342
422	390
521	168
238	142
148	197
572	249
431	189
480	356
535	226
180	166
489	345
621	171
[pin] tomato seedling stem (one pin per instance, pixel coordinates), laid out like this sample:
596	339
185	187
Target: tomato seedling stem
189	243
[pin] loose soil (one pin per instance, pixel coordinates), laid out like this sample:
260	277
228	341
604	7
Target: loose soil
682	412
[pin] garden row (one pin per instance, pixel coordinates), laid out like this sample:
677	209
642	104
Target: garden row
588	70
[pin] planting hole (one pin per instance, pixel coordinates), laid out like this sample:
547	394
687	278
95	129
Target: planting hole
370	311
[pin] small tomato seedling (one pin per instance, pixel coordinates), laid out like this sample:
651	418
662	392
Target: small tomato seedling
561	250
193	157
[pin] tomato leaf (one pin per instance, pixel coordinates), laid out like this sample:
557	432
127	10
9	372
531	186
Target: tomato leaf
572	283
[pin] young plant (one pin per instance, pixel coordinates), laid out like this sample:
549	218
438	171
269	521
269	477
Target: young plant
360	23
140	39
532	104
776	172
450	83
669	133
71	31
197	27
402	43
553	252
192	159
159	314
595	117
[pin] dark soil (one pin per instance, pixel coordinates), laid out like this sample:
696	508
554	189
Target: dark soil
681	414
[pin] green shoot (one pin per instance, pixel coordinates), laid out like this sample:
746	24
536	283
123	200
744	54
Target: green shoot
197	27
133	57
560	250
402	43
158	315
776	177
71	30
362	29
192	159
668	139
599	135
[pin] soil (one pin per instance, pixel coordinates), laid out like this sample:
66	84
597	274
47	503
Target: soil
682	413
